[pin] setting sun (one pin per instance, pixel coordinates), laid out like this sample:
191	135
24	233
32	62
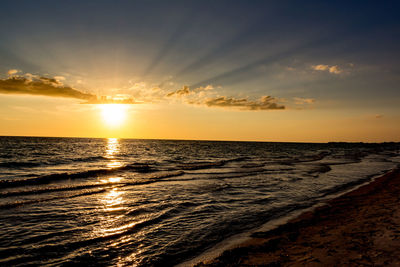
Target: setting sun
113	114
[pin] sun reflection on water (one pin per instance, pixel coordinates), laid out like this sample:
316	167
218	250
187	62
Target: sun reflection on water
111	213
113	200
111	180
111	203
112	148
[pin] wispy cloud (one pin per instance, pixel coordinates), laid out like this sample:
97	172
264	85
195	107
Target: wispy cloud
301	101
186	90
331	69
264	103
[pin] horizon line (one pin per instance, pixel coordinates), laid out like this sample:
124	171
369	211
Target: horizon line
203	140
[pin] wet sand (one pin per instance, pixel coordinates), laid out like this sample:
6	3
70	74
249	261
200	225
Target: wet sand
359	228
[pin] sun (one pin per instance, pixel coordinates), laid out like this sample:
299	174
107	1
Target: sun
113	114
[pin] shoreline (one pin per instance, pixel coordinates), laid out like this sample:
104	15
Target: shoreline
339	231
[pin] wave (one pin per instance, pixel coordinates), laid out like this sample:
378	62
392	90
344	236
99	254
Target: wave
90	159
262	200
51	251
158	207
200	165
316	157
32	201
236	171
155	178
208	164
218	176
320	168
148	180
42	237
166	174
49	162
45	179
51	189
237	159
252	165
305	158
19	164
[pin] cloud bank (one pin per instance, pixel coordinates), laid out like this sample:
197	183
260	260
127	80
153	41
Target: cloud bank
205	96
40	86
29	84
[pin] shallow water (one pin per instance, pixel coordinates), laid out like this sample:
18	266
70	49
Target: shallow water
159	202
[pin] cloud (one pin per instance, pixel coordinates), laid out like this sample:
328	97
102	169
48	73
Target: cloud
378	116
184	91
264	103
320	67
208	87
30	76
331	69
36	85
301	101
59	78
12	71
146	92
335	70
40	86
206	96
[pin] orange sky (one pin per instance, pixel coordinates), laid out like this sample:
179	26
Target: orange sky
46	116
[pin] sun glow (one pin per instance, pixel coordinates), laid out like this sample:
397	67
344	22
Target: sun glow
113	114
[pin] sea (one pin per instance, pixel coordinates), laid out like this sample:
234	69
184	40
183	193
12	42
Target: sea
130	202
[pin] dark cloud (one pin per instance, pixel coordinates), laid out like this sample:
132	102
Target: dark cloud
40	86
264	103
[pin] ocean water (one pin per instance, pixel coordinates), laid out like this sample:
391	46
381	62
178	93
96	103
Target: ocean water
108	202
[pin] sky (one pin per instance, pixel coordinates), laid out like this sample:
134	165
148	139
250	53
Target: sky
294	71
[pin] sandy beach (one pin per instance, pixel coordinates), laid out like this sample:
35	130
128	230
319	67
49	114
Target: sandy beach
359	228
